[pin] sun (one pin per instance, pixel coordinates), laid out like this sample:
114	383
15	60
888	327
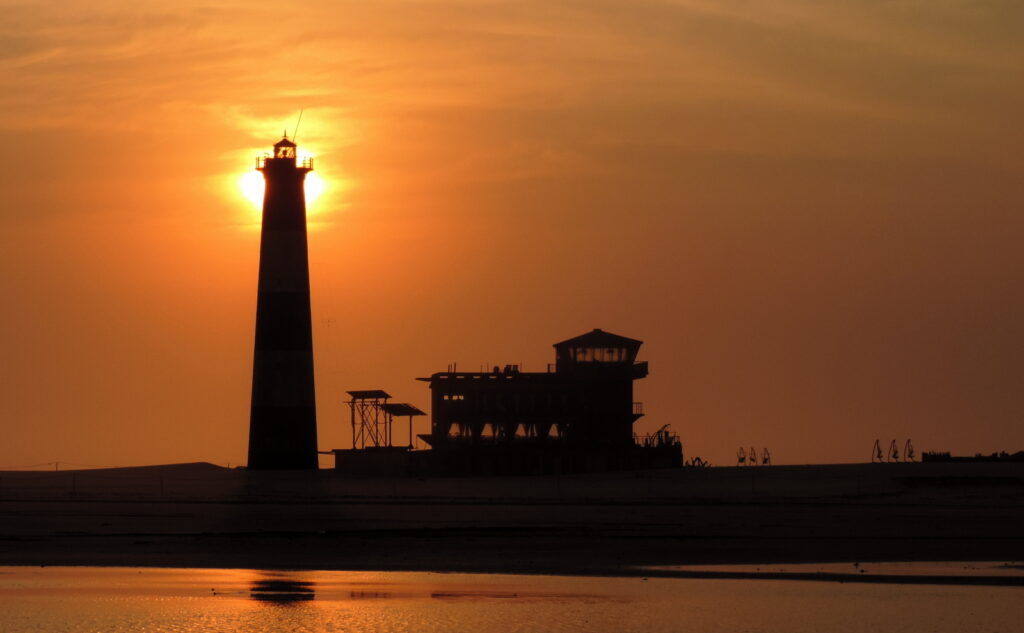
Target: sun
251	186
314	187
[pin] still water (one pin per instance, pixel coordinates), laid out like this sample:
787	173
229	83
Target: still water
115	600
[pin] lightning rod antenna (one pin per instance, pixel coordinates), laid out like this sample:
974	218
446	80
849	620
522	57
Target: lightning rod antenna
296	132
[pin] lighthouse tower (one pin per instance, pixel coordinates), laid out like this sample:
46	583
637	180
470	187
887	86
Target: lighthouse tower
282	423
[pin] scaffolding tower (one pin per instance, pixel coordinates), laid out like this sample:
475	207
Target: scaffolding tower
373	418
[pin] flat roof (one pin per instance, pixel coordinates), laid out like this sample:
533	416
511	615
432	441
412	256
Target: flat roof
369	394
484	374
401	409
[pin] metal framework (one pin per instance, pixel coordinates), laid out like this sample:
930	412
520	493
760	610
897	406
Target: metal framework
893	454
373	418
369	422
743	458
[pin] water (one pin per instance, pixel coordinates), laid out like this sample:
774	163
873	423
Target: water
115	600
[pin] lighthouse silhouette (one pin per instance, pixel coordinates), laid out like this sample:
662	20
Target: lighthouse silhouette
282	422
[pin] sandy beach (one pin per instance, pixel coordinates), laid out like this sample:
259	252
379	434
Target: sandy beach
200	515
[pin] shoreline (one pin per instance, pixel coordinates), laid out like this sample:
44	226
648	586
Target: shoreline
613	524
940	579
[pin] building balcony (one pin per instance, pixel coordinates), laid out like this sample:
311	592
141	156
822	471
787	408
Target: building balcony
305	164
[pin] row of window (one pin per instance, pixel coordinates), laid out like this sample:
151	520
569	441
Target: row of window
599	354
515	399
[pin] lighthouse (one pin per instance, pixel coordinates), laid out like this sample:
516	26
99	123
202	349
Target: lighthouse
282	422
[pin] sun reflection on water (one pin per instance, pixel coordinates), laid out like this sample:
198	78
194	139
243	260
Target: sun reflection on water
127	600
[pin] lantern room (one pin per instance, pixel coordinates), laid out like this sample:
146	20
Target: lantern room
284	148
284	157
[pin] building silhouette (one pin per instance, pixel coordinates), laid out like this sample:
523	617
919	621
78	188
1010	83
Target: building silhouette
576	416
282	423
584	399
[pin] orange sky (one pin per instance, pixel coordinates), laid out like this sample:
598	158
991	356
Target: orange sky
810	211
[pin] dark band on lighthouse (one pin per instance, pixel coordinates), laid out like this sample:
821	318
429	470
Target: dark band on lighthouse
282	423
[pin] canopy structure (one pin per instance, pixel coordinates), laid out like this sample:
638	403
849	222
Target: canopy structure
401	409
369	394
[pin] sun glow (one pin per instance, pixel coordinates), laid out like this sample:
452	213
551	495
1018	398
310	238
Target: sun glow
314	187
251	186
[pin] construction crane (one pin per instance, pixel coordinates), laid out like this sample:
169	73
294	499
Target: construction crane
876	453
908	451
894	452
663	437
